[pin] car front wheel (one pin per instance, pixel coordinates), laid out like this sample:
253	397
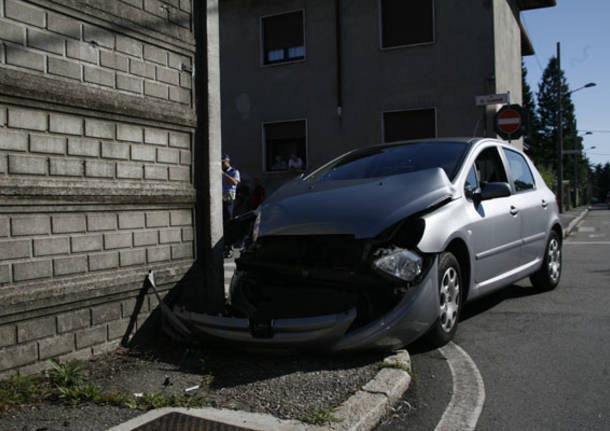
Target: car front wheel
450	300
547	277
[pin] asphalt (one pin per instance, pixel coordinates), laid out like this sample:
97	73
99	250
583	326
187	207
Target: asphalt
362	411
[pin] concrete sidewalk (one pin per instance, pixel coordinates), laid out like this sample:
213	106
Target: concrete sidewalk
360	412
570	218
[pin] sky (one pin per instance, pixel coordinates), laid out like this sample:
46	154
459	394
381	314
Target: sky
583	29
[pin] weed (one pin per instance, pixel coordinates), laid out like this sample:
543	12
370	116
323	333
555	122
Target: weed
319	416
67	375
66	383
78	394
398	365
119	399
19	390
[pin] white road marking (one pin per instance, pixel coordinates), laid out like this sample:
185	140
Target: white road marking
587	243
468	396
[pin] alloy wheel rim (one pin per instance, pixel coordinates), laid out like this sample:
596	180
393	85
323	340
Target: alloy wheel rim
554	260
449	299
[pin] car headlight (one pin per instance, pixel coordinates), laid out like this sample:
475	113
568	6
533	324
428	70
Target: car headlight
400	263
256	226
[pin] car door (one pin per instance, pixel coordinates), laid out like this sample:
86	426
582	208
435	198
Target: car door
530	202
495	228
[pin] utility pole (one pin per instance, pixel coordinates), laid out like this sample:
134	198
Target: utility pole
559	132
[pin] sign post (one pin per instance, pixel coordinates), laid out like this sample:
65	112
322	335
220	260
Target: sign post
492	99
510	122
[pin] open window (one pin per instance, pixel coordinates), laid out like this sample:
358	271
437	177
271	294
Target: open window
490	168
285	146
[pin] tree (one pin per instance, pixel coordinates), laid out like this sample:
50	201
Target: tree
600	179
548	110
532	138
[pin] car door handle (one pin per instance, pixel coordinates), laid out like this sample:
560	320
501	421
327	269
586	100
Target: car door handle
545	204
514	210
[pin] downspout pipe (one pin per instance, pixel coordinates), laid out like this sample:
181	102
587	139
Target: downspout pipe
338	54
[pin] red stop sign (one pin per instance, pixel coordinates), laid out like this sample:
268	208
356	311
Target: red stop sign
509	121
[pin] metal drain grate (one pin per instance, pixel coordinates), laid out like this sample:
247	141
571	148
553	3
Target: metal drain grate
181	422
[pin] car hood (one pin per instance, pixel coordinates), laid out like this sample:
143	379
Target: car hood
363	207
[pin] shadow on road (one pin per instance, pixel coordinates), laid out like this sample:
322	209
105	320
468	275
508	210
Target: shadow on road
488	302
477	307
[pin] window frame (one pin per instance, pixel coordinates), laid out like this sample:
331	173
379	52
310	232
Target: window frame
512	178
476	175
433	108
409	45
264	144
262	39
503	162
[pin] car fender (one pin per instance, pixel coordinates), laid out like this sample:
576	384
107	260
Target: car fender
443	226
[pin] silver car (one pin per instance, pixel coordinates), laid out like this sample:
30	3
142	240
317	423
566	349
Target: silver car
385	244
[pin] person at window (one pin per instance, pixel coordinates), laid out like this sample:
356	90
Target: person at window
279	164
295	162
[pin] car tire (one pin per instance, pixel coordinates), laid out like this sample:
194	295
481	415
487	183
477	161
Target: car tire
450	300
549	274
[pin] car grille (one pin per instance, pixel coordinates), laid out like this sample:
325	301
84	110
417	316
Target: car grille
310	251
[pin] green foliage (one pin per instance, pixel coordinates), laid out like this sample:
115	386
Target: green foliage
68	375
600	179
79	394
548	175
532	138
20	390
66	384
119	399
397	365
319	416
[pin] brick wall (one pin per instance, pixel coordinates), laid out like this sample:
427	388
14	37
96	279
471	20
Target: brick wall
55	45
97	132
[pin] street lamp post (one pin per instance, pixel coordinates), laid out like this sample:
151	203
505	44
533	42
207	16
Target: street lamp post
560	97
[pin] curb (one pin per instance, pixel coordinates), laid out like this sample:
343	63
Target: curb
568	230
360	412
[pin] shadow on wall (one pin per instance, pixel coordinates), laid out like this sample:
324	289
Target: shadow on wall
191	292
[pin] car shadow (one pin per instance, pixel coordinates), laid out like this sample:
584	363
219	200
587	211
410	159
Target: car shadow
476	307
487	302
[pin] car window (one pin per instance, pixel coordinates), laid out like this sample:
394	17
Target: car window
383	161
472	184
490	168
520	171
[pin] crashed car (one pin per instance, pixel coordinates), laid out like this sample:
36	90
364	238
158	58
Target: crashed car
385	244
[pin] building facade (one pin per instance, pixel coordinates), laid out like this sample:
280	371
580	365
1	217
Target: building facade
99	116
316	78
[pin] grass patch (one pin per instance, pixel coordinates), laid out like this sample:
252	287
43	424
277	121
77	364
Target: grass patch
17	390
319	416
67	384
398	365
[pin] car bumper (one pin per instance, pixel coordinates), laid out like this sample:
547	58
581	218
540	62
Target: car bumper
407	321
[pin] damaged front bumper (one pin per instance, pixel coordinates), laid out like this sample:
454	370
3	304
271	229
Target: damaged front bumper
410	318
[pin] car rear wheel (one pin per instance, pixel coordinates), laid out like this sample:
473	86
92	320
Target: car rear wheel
450	300
548	276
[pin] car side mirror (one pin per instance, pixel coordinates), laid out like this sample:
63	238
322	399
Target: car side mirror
492	191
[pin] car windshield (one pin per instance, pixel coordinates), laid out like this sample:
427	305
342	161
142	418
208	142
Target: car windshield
384	161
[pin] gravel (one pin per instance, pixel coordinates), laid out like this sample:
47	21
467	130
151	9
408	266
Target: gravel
287	385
